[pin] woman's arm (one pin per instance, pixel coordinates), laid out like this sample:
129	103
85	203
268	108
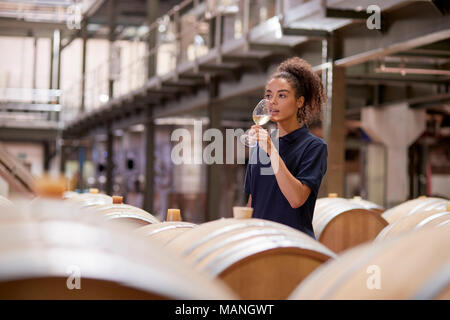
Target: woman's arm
249	203
293	190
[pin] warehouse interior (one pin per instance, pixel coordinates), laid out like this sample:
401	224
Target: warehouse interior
93	90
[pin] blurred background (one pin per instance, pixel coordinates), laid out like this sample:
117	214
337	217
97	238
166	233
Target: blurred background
94	89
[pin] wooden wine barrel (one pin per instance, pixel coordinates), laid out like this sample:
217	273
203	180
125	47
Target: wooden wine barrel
257	259
50	259
128	215
367	204
165	231
410	266
410	207
414	222
340	224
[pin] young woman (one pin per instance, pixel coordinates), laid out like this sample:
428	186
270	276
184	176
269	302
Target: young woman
299	162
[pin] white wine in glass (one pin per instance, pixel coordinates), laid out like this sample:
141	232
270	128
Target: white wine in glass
261	115
261	120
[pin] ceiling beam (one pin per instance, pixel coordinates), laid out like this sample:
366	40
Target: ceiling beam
338	13
360	44
312	33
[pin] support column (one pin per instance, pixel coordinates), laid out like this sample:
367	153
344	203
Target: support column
375	170
56	60
50	82
214	171
152	15
150	162
111	37
80	167
334	118
47	155
83	66
35	49
336	133
109	161
63	158
58	69
396	126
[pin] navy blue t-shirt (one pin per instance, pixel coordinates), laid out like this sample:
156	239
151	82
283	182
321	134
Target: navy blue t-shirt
305	155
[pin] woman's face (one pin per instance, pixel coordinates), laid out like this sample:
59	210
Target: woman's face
284	105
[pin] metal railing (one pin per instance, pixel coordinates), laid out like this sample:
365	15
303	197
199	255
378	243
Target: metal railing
25	107
186	33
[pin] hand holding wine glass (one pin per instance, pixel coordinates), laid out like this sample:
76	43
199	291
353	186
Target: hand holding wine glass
261	115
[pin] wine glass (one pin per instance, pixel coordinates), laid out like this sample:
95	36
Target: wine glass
261	115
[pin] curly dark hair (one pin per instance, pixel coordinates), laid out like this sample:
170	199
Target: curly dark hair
300	75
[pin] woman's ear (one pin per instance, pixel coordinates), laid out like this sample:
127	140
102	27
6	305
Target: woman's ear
300	102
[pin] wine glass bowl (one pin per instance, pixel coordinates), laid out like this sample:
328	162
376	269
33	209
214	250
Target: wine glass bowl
260	116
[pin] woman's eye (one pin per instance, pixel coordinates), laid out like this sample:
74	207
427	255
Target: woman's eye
267	96
282	96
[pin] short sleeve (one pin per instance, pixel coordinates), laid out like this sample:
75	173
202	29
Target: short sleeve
247	183
313	166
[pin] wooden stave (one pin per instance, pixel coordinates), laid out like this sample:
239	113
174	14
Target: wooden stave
351	229
333	280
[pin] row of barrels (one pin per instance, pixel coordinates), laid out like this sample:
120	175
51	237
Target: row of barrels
339	224
259	259
242	253
83	248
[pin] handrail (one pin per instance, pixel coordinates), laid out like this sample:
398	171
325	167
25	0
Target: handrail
175	45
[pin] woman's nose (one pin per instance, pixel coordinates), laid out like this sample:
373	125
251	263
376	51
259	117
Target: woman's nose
272	100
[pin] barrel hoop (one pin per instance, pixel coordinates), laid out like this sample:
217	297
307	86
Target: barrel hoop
223	230
248	248
435	285
111	216
367	204
430	218
426	203
383	233
121	208
178	226
444	223
237	237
